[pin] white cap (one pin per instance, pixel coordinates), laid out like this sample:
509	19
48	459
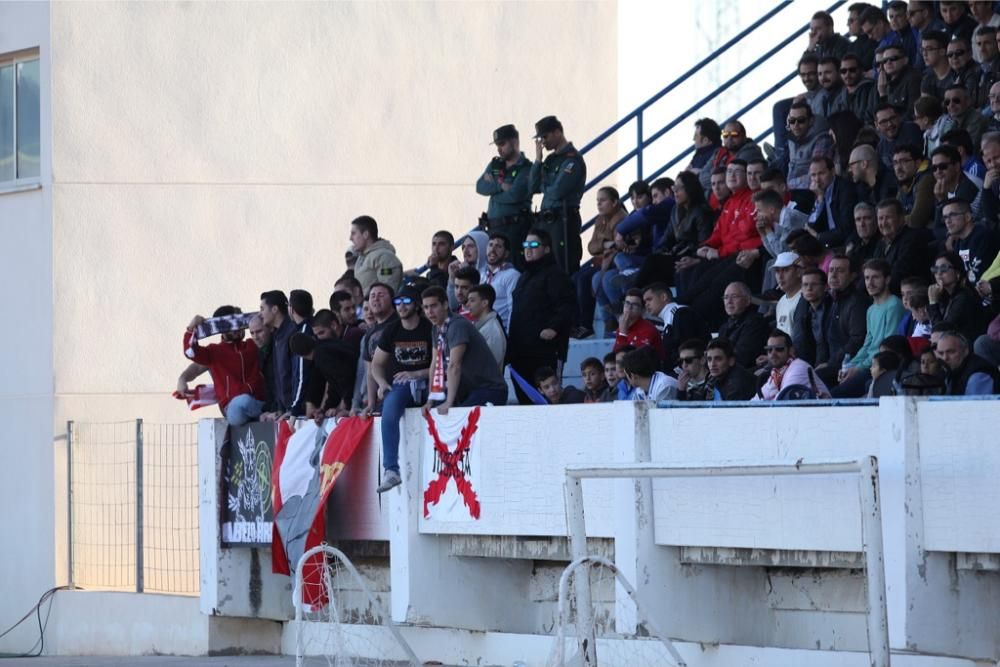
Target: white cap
784	260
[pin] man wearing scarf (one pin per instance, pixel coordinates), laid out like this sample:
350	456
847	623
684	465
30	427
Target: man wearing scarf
786	370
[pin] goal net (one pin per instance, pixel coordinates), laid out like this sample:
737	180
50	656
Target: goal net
339	621
585	633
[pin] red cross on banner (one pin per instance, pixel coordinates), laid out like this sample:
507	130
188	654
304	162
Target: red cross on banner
452	465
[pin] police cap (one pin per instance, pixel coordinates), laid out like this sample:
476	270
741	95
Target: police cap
546	125
505	132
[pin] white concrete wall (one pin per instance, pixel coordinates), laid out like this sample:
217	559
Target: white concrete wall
206	152
27	448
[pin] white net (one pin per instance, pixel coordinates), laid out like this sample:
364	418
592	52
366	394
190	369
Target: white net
585	633
340	622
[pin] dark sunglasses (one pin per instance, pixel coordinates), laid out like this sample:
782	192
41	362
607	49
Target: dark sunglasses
957	53
775	348
941	166
530	244
848	70
891	59
687	360
948	101
401	300
797	120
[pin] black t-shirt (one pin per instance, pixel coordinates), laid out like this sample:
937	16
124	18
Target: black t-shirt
408	350
372	335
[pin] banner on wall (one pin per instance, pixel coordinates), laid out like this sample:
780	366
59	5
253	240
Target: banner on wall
248	455
307	463
451	466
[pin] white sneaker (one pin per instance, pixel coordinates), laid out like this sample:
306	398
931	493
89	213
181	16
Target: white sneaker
390	481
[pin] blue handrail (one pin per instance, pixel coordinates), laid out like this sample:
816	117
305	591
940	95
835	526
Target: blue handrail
684	77
747	107
643	143
637	114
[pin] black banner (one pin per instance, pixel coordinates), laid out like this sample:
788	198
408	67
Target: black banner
247	461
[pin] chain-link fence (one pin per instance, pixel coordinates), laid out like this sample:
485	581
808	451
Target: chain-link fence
133	506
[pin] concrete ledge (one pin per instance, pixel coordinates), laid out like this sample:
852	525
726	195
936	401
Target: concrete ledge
772	557
463	647
111	623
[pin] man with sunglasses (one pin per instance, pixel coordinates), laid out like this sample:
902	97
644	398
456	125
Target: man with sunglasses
950	183
542	313
898	83
787	370
735	146
692	381
400	370
861	92
958	104
806	141
507	182
964	70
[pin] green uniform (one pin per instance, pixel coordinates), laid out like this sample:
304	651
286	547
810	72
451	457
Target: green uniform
561	178
515	200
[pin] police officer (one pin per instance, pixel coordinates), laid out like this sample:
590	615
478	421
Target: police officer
561	179
507	182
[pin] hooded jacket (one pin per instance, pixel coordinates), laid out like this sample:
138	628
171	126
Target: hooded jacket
378	264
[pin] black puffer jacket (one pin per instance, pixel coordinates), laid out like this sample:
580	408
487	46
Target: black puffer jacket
544	298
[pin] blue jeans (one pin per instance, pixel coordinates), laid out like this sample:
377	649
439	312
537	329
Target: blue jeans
242	409
482	396
402	395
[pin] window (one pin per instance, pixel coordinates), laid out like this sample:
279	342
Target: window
19	119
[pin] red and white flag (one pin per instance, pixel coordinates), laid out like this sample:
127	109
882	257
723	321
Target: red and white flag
301	489
199	397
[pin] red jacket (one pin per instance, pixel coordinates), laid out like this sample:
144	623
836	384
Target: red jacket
233	366
736	228
641	333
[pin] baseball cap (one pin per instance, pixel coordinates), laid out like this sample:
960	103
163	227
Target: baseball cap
784	260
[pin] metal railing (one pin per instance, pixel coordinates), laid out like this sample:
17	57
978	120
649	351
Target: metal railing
637	114
132	502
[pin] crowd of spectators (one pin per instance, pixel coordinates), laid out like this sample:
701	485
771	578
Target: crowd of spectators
855	256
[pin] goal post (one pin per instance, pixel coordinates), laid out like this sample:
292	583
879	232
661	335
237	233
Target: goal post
865	469
336	647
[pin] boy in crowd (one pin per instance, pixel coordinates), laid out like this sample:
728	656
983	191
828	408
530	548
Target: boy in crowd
595	386
548	383
650	384
479	303
692	382
611	375
623	390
